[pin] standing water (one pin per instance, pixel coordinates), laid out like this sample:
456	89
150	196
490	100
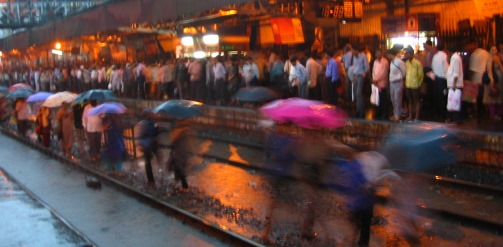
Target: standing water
27	222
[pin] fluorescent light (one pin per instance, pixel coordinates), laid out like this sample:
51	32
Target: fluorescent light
199	54
57	52
210	39
187	41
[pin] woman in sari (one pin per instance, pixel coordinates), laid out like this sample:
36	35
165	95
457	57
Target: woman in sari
66	122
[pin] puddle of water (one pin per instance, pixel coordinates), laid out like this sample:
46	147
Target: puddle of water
26	222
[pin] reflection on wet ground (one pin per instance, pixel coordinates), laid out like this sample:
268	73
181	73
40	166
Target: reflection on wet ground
26	222
243	200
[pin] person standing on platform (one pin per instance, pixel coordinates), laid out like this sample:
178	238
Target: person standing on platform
360	70
439	65
44	122
313	69
397	72
332	78
66	121
23	115
454	78
220	87
347	60
114	147
93	128
181	78
380	73
196	76
298	78
413	80
250	72
479	64
140	79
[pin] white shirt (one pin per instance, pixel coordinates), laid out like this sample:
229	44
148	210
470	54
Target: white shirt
397	70
439	64
478	64
250	71
313	68
219	71
455	71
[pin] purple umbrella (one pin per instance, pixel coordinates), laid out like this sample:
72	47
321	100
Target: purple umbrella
38	97
107	108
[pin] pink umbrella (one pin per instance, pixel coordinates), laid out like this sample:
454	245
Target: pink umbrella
19	86
305	113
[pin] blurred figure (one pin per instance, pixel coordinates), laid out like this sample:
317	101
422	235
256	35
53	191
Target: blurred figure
44	123
234	82
297	78
397	72
66	122
196	87
380	79
23	115
313	69
116	80
219	86
493	92
250	72
168	80
439	65
278	82
360	70
454	76
93	128
182	150
140	80
413	80
347	60
332	78
148	134
114	147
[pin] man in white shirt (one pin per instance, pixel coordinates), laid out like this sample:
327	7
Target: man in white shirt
219	86
93	128
439	66
454	76
397	72
250	72
313	68
297	77
480	62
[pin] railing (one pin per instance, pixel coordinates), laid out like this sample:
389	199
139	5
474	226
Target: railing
24	14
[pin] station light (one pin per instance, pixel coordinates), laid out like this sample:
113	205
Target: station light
57	52
199	54
187	41
210	39
58	46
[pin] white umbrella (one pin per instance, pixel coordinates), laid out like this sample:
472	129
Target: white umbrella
57	99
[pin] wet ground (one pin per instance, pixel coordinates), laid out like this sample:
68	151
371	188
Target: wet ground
106	216
244	200
27	222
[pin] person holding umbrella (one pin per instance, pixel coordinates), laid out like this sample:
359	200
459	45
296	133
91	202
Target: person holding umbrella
182	150
114	146
93	128
23	115
66	122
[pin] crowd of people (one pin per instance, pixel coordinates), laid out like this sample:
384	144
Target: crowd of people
412	85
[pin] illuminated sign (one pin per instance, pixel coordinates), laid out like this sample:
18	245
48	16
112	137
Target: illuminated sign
343	10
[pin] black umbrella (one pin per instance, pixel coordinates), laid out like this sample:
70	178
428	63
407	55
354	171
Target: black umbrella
20	93
179	109
255	94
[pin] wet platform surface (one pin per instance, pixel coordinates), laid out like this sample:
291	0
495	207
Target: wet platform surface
27	222
107	217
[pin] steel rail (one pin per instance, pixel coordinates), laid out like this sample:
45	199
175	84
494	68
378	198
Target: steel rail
207	227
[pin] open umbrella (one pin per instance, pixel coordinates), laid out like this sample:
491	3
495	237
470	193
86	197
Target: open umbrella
305	113
255	94
179	108
38	97
20	93
95	94
57	99
19	86
107	108
4	90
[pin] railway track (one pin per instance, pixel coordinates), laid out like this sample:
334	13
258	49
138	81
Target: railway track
443	182
238	240
209	228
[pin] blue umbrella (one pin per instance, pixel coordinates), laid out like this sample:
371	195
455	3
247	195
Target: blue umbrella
39	97
20	93
95	94
107	108
4	90
420	150
255	94
179	108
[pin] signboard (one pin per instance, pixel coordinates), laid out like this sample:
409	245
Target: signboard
488	8
412	25
343	10
287	30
